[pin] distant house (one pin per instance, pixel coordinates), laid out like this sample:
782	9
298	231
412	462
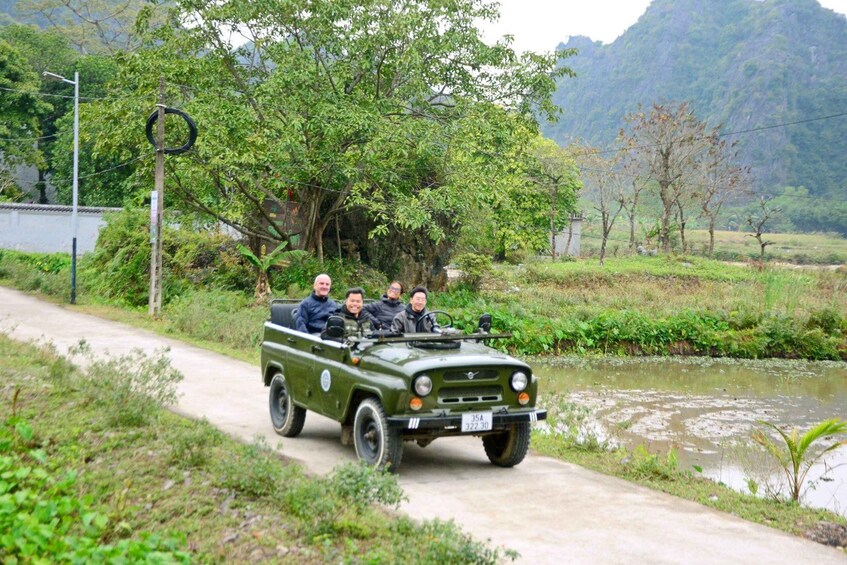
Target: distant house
561	238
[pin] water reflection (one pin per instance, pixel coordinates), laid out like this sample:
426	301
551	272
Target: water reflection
706	409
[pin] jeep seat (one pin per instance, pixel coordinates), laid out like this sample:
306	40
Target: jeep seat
283	314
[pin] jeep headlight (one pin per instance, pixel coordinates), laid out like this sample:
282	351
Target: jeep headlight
423	385
518	381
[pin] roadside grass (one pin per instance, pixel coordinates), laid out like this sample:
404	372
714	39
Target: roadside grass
179	489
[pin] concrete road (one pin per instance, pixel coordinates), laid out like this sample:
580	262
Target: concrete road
549	511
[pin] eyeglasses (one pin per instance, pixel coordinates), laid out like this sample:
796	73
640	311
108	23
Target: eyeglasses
396	288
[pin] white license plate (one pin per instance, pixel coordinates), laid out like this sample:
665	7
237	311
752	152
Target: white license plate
476	421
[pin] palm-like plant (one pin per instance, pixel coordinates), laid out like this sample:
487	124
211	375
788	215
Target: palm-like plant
264	263
795	456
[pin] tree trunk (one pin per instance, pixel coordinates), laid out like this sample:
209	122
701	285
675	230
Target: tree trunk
606	230
632	231
665	230
711	236
42	187
553	225
570	237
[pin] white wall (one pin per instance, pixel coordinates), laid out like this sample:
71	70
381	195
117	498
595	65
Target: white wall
562	238
45	228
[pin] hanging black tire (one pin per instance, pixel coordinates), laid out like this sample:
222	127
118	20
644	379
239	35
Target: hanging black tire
286	417
507	449
376	443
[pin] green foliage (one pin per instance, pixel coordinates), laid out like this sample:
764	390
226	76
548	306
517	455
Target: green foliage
119	268
37	272
796	455
328	504
447	544
256	470
365	144
644	465
20	107
475	268
191	445
44	519
135	386
222	316
177	477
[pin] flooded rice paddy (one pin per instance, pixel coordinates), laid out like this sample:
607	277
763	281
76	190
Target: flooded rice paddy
706	409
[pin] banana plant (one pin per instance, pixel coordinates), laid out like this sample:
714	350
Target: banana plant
794	455
263	265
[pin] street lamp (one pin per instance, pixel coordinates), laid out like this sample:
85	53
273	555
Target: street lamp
74	219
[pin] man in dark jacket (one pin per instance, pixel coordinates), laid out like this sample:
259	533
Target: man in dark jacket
407	320
356	320
313	311
389	306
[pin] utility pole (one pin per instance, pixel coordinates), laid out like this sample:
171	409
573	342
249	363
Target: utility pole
74	216
157	204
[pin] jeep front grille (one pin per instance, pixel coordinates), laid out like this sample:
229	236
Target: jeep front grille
470	375
456	395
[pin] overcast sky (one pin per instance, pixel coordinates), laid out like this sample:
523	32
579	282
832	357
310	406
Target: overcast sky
539	25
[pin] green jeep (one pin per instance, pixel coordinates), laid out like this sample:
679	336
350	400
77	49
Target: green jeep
386	388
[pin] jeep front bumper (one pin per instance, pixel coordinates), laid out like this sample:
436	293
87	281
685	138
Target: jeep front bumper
498	420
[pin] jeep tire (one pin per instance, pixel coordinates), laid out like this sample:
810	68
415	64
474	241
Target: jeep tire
507	449
286	417
376	443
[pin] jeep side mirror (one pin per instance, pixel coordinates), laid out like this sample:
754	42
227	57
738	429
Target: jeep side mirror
485	323
334	328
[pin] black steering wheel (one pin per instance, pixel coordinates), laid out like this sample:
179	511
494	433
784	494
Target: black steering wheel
433	316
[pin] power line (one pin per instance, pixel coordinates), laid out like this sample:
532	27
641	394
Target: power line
70	97
30	139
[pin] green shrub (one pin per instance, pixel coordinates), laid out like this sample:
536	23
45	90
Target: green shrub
225	317
192	256
644	465
256	470
827	319
134	386
301	273
191	443
474	267
119	267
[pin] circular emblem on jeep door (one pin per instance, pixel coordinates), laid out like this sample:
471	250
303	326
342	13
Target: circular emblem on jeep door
326	380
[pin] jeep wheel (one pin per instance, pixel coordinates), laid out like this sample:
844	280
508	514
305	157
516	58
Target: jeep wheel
286	418
376	443
508	448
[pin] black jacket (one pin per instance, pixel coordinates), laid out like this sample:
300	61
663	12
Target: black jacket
312	313
383	312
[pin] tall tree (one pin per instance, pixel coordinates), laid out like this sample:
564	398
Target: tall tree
605	188
757	221
553	171
22	109
332	108
45	51
668	142
721	180
92	26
